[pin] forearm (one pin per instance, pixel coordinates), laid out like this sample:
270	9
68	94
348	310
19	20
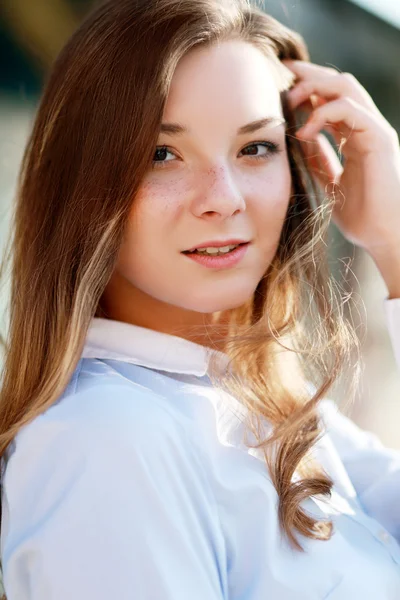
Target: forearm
388	263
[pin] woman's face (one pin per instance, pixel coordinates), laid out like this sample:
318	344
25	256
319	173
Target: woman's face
209	182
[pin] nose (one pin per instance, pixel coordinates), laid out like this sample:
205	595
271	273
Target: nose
219	195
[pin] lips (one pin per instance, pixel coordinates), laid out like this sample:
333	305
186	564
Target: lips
217	244
226	260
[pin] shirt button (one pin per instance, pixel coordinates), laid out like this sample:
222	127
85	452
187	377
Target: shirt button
384	536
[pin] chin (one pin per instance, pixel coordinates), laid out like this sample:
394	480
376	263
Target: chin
219	303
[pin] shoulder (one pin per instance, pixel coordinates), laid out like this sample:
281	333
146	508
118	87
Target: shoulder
102	448
97	411
101	436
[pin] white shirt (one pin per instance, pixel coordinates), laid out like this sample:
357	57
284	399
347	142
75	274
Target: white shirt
136	485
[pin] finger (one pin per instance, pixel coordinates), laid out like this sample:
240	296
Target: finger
306	109
337	131
328	84
346	111
313	102
302	68
322	160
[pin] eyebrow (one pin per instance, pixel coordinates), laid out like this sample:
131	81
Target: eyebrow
178	129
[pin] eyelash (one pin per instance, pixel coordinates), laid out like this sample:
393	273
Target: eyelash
272	149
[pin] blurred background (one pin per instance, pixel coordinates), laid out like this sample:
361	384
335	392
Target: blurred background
361	37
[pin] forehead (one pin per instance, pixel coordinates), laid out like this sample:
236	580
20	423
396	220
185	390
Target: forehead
229	82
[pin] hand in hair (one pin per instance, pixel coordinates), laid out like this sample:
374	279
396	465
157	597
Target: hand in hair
367	186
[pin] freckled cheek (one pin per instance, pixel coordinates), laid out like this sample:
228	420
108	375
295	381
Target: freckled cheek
159	200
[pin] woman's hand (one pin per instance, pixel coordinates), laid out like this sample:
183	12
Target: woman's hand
367	188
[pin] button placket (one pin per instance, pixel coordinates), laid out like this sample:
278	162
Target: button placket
380	534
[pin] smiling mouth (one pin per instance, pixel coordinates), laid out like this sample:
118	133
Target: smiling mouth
201	250
223	260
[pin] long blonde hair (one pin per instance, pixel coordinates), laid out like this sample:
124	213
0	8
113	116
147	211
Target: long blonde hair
92	142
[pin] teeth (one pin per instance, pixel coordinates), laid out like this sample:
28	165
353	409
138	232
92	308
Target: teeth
214	251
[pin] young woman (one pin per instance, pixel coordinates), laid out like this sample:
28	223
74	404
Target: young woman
166	428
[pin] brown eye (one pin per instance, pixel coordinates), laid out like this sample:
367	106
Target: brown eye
271	147
160	154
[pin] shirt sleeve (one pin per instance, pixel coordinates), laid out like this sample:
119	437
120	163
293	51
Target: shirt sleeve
373	469
112	504
392	312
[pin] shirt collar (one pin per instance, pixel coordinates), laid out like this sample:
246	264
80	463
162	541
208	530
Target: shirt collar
107	338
